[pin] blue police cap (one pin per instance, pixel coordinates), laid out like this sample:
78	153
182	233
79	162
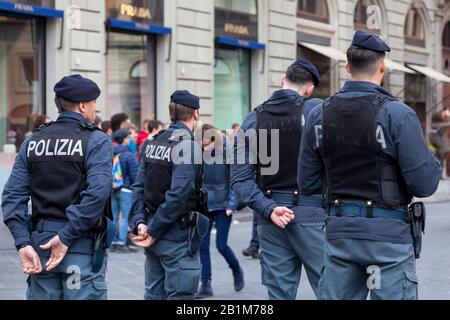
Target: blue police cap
306	64
75	88
120	135
366	40
186	99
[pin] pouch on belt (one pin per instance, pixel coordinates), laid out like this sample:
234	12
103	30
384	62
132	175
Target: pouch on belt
199	226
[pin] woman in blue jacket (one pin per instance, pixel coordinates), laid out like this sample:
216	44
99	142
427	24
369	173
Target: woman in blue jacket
222	203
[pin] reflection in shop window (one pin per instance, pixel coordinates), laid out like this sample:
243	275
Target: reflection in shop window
245	6
22	98
364	16
316	10
414	29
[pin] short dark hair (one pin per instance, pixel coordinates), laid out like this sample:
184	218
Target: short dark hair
179	112
298	75
363	61
117	120
153	125
106	125
64	105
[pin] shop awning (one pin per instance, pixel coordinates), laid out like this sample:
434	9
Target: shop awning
326	51
139	27
431	73
32	10
394	66
235	42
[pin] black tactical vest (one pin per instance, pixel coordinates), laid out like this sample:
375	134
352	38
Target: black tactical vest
56	156
287	118
357	168
158	172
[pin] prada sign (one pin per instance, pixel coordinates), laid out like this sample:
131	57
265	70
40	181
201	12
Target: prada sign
144	11
27	5
236	24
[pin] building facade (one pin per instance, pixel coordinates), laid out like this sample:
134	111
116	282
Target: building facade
231	53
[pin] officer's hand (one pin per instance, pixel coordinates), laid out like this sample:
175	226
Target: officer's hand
142	232
145	243
31	263
59	251
282	216
229	212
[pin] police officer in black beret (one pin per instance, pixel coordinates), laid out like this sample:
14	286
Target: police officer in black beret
165	197
369	150
65	168
290	225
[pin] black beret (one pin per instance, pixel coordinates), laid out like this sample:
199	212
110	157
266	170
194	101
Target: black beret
366	40
120	135
75	88
311	69
186	99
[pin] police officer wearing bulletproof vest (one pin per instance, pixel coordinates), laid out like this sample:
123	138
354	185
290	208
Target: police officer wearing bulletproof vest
290	226
370	150
65	168
165	196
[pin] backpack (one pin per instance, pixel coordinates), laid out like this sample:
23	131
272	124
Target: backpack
117	176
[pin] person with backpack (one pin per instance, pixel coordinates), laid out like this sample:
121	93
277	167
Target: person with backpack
125	168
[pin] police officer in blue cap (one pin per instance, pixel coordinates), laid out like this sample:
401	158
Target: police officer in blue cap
65	168
369	150
166	196
290	226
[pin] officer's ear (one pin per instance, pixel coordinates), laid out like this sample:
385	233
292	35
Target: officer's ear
283	79
347	67
382	67
196	115
309	90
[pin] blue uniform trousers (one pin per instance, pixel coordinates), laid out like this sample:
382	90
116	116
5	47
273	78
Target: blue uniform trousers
73	279
353	267
170	272
285	251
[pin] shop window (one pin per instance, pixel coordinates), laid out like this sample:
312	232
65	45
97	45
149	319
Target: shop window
367	16
414	29
248	6
316	10
415	96
232	86
130	76
22	89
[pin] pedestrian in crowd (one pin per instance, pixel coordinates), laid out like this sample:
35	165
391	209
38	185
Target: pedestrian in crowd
38	122
222	204
439	138
166	200
118	120
65	168
124	174
98	122
143	134
128	126
154	127
369	150
106	128
290	224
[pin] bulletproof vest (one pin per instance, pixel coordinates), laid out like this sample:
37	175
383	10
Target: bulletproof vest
287	118
56	155
158	167
357	168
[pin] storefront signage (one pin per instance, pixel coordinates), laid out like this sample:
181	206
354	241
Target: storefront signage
25	7
142	11
236	24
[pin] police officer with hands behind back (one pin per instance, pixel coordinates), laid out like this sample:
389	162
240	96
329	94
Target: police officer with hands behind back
165	200
370	150
290	225
65	167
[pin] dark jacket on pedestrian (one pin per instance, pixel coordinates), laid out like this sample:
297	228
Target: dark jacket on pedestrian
216	181
128	164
